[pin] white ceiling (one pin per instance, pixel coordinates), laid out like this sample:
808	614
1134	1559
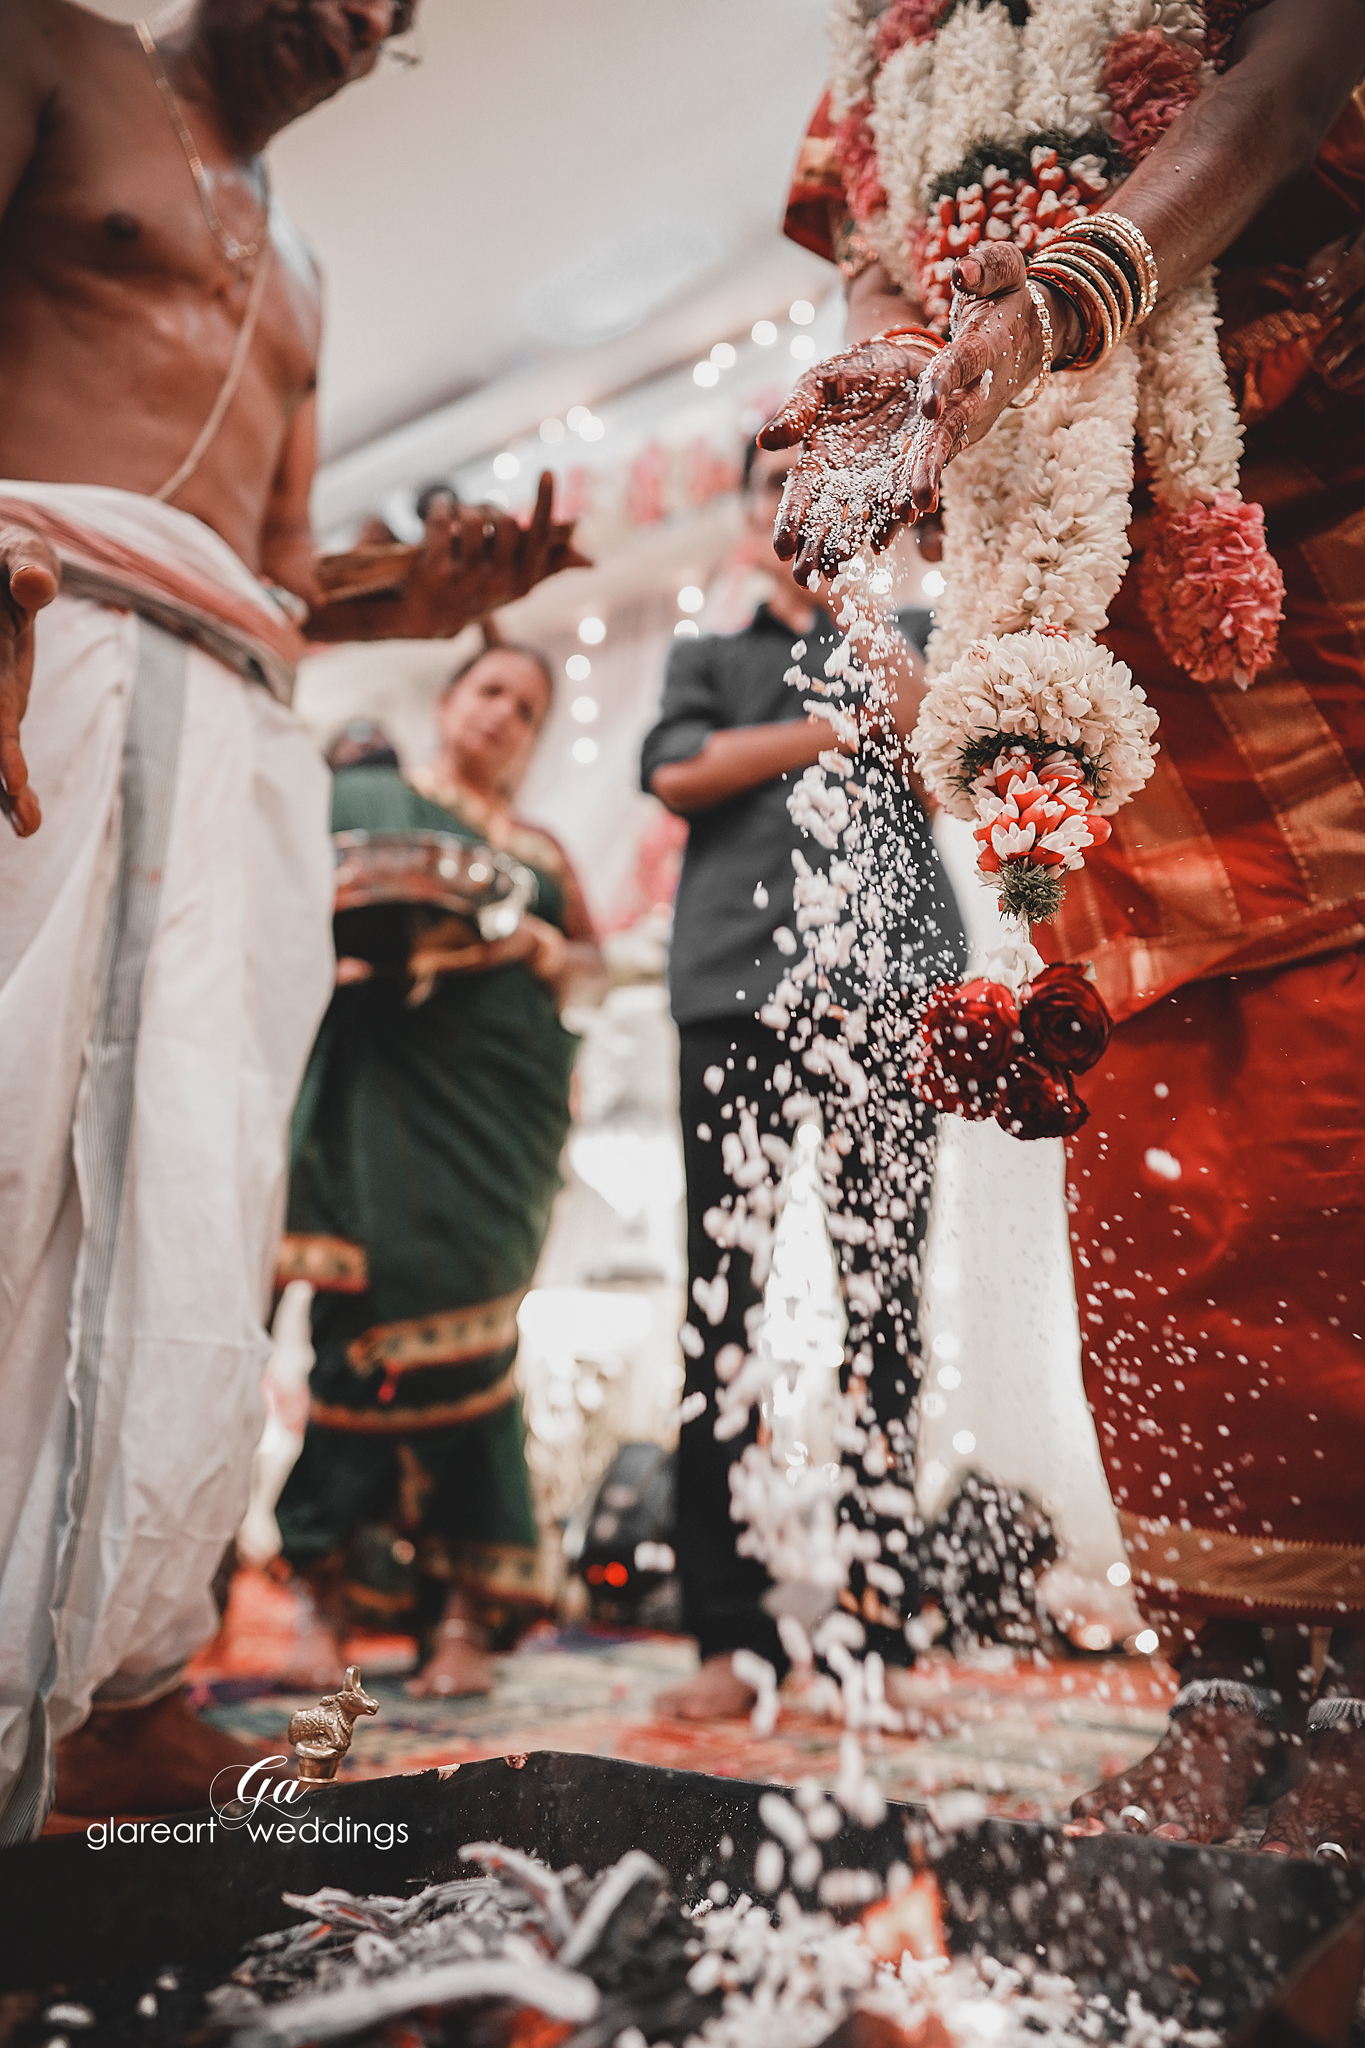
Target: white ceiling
551	177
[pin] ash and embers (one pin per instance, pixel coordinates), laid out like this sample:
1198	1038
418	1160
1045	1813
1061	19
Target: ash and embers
517	1954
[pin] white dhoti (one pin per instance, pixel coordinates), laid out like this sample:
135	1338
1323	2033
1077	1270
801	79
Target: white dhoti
165	959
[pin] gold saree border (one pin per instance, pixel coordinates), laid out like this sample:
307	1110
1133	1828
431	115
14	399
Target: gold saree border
394	1421
333	1265
451	1338
1132	972
513	1573
1176	860
1196	1567
1306	779
1334	561
817	167
1317	810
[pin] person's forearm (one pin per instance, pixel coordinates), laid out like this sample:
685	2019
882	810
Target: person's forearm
1252	132
875	303
743	758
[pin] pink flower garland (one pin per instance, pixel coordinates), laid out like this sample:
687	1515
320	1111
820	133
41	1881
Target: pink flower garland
1212	591
905	21
1222	19
855	147
1149	80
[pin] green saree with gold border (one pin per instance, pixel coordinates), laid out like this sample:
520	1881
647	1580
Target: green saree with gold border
425	1160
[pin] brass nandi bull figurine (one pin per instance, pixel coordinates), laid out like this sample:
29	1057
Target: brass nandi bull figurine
322	1734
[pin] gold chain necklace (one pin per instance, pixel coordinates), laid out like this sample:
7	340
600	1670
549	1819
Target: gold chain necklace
240	253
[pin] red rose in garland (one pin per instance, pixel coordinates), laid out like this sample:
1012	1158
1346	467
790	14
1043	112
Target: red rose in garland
956	1098
972	1031
1039	1101
967	1038
981	1054
1065	1020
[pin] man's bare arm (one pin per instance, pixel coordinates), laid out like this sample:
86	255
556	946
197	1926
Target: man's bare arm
744	757
1241	142
1252	133
1254	130
29	573
288	550
30	578
474	559
27	84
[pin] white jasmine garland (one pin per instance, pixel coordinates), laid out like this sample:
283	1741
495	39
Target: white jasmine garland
1042	689
1066	545
975	78
1190	427
901	105
975	515
853	62
1061	67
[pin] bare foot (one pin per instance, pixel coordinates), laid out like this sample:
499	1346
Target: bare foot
156	1759
715	1694
1327	1804
1194	1784
458	1664
452	1670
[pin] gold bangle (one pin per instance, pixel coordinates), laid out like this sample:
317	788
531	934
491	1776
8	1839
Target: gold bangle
1116	280
1102	330
1040	382
1103	259
1094	278
1131	239
1121	257
1082	303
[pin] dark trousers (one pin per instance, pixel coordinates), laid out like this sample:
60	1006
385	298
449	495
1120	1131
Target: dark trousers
722	1592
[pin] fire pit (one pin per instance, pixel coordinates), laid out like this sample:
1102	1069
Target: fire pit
120	1943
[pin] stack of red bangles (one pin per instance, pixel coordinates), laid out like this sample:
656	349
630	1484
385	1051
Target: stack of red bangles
1104	268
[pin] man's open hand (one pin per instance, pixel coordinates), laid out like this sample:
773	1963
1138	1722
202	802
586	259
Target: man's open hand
30	578
853	414
475	559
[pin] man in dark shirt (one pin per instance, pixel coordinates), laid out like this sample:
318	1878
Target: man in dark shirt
732	739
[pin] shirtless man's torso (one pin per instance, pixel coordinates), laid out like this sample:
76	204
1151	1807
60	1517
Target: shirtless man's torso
122	299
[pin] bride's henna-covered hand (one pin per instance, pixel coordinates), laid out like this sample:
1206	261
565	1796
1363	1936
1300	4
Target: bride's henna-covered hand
859	404
994	356
869	409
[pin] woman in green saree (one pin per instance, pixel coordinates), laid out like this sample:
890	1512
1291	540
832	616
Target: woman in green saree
425	1160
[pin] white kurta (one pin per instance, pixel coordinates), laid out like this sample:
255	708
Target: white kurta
143	1144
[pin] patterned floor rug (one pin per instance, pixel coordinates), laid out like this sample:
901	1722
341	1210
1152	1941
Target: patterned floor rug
1026	1734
